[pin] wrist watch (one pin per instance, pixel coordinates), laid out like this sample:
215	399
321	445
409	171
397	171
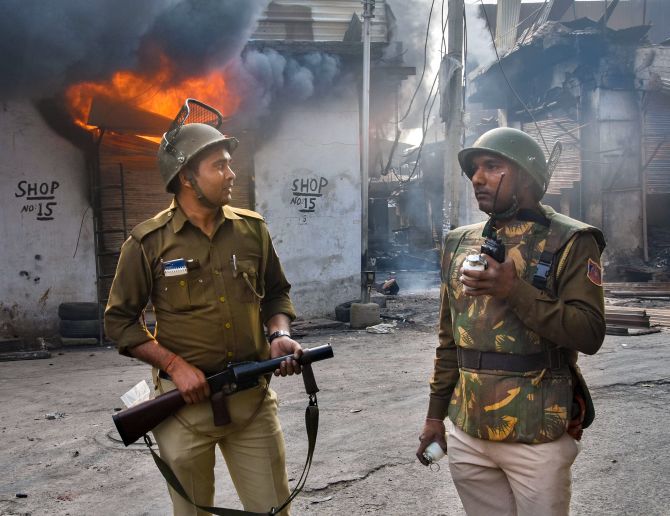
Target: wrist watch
278	333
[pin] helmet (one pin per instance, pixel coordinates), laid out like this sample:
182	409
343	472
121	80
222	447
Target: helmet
514	145
190	140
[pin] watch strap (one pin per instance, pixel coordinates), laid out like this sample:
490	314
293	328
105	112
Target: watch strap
278	333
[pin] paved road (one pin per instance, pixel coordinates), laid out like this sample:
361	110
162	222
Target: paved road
373	399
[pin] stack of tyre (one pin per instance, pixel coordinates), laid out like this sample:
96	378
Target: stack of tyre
79	323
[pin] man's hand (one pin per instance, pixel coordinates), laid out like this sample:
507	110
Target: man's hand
285	346
189	380
433	431
497	280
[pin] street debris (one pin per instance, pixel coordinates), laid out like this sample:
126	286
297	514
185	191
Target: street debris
55	415
321	500
382	328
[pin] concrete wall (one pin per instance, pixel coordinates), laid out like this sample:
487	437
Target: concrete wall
308	189
46	260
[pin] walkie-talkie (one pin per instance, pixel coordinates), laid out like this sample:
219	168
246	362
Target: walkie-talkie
492	245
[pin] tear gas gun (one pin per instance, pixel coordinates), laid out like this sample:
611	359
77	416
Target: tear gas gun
138	420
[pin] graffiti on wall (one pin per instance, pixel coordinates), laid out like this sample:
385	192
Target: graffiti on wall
40	198
306	192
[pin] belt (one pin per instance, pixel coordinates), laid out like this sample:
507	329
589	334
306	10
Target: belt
473	359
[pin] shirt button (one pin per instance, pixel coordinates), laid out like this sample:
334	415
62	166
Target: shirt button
230	354
228	325
217	272
222	299
182	283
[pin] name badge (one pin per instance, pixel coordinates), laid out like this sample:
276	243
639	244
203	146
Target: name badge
179	267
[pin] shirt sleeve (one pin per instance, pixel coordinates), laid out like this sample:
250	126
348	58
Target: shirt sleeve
445	373
128	298
277	287
575	317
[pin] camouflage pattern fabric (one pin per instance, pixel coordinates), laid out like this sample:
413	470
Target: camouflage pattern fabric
506	406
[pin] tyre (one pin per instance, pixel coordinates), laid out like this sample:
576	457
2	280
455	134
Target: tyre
79	329
79	311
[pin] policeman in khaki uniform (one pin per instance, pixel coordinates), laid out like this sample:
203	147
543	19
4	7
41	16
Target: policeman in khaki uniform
214	280
505	369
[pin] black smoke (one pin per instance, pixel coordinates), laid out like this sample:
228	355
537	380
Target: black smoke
49	45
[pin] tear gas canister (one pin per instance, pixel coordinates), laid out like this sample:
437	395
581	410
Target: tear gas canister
474	262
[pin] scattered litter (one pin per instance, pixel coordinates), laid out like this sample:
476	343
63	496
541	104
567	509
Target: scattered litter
21	495
55	415
321	500
75	453
613	461
382	328
624	345
355	410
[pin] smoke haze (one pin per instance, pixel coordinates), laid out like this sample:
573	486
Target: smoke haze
49	45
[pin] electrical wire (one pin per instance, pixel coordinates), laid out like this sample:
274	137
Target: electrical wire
502	70
425	61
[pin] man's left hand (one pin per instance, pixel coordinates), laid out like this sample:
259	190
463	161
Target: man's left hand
497	280
282	346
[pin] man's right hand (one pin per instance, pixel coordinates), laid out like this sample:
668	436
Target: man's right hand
190	381
433	431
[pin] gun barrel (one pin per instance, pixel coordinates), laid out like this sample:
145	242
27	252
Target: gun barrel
249	370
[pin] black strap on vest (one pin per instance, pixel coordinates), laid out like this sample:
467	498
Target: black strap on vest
543	270
312	428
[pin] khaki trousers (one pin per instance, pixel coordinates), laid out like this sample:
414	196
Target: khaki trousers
511	478
254	451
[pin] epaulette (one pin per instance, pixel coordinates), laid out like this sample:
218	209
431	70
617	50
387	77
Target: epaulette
246	213
149	226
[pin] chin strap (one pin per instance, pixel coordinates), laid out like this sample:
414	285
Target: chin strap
198	191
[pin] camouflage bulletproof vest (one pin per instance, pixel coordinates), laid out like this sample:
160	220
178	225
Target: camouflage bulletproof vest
530	407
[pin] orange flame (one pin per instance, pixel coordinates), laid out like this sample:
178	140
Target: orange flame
158	94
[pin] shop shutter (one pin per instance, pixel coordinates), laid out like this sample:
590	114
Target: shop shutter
656	142
563	129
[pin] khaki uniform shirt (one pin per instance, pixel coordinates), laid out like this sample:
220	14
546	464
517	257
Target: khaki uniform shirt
572	319
213	313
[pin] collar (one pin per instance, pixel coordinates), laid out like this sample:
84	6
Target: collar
539	217
179	218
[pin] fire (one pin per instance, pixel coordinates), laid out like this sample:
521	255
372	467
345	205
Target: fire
158	94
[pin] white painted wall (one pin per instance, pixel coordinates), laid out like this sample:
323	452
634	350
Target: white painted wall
44	201
315	150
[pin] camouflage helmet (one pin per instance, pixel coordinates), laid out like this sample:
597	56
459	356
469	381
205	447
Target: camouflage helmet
191	139
514	145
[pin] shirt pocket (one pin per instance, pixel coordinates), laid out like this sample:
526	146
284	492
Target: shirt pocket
181	293
247	285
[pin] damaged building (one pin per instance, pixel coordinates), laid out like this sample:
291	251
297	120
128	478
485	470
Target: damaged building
80	169
595	79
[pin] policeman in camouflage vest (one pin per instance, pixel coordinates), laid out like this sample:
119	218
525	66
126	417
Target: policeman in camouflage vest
506	371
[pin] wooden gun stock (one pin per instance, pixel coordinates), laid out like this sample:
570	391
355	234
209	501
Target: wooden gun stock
136	421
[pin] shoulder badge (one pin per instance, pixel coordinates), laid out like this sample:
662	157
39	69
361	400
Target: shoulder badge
594	273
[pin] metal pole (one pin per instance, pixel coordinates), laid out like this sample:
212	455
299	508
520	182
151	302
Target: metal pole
454	114
368	8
